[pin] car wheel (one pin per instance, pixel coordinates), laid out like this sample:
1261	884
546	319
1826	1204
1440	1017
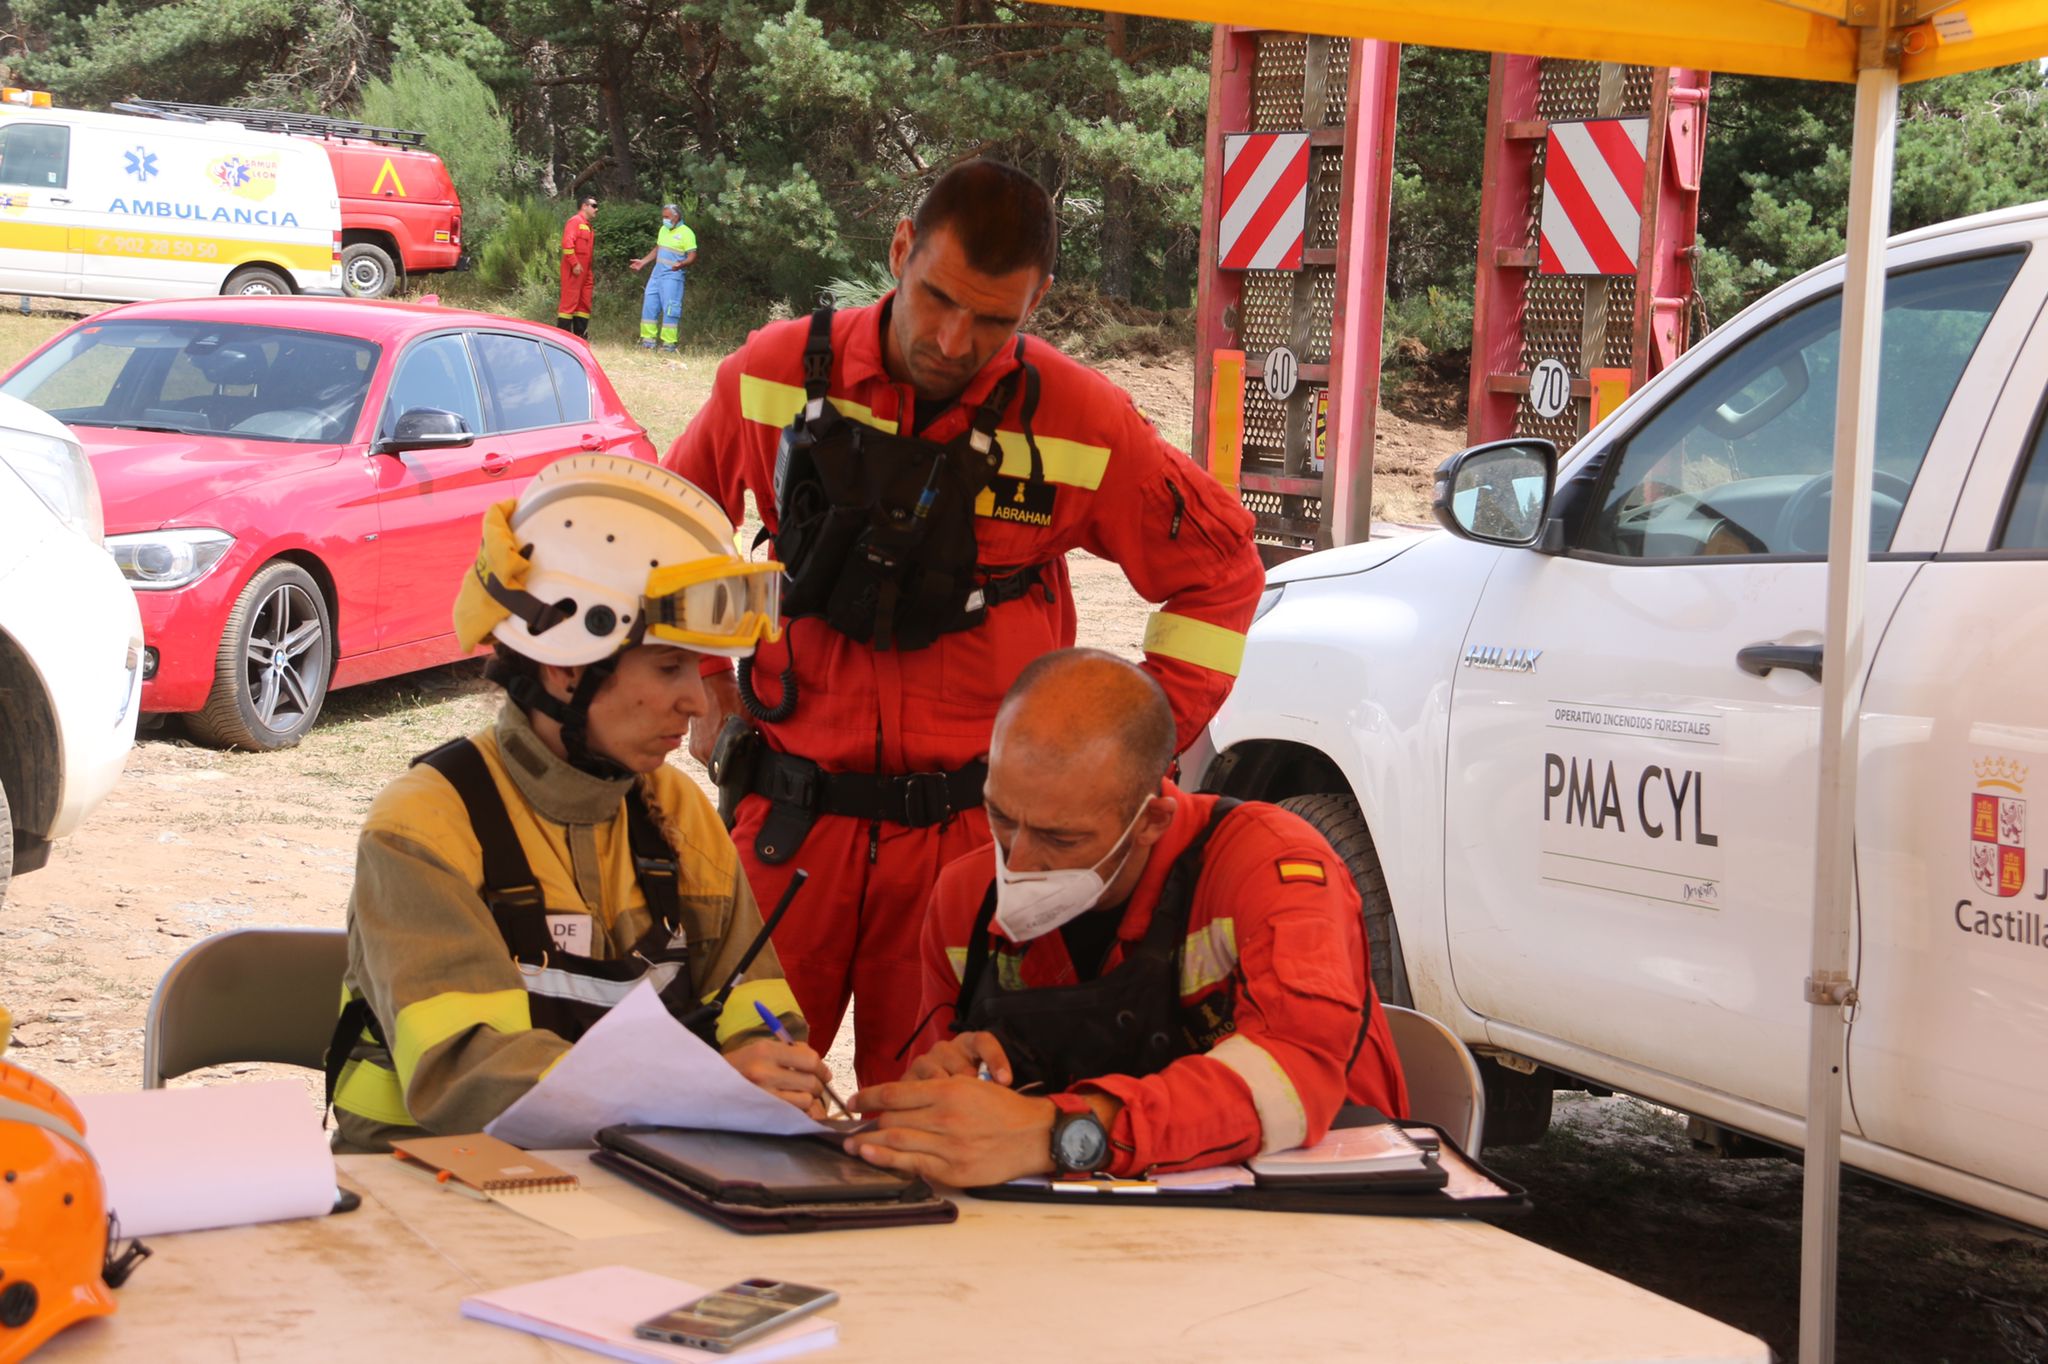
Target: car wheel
6	844
367	271
1340	822
271	673
256	280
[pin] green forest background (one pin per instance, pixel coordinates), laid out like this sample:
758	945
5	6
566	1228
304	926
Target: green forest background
794	136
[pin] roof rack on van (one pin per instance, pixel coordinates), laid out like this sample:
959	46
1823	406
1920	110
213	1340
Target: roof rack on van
273	121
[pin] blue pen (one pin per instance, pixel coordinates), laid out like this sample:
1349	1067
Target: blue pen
781	1034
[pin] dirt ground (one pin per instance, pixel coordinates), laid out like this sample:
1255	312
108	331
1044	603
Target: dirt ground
194	841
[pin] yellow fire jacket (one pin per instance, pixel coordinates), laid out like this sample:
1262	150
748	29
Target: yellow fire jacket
423	949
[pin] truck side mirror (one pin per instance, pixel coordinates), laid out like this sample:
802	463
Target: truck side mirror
1498	493
425	428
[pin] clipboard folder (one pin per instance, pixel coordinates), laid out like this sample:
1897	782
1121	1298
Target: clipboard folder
1455	1186
756	1184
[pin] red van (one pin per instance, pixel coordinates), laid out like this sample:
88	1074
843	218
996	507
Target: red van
400	214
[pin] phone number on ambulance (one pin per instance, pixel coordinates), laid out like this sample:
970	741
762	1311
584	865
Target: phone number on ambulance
107	244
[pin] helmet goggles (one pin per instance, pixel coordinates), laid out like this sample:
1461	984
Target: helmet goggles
714	604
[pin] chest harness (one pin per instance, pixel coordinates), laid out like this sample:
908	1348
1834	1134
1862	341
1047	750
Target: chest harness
876	534
566	994
1130	1019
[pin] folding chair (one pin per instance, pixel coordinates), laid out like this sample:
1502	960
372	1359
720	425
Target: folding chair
1444	1086
250	994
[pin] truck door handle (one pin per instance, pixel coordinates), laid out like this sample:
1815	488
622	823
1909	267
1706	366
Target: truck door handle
495	464
56	200
1760	659
592	441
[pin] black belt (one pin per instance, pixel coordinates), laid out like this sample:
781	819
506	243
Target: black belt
800	791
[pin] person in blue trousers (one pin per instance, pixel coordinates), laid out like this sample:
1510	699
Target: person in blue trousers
675	247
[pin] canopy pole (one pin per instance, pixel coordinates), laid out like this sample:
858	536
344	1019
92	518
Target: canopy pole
1830	989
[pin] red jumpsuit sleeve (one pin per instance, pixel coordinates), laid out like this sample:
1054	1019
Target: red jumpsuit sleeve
940	988
1279	1079
1185	543
712	453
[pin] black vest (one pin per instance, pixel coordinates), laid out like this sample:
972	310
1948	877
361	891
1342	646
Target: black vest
566	993
875	530
1127	1021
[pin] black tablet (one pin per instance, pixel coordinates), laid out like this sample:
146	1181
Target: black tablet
762	1172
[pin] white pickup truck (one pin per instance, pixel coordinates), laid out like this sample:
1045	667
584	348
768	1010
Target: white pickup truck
1569	747
70	641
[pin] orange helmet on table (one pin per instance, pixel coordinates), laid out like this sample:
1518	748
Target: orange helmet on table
56	1266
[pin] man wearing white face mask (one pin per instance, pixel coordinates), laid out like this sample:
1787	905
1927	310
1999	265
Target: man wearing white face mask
1152	979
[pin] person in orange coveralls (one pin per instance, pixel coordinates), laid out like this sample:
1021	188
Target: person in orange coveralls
572	314
935	469
1182	979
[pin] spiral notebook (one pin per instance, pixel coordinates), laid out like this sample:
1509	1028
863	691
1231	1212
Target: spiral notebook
485	1164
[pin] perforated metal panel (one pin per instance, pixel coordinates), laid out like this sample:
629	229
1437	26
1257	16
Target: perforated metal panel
1267	312
1278	81
1572	90
1337	83
1325	196
1638	87
1265	425
1568	89
1322	305
1621	321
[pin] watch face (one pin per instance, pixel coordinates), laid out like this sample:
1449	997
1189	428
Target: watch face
1081	1143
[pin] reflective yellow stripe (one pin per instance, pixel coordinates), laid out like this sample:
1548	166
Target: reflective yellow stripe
424	1025
958	956
773	404
1210	956
1283	1123
1194	641
739	1013
368	1090
1066	461
181	248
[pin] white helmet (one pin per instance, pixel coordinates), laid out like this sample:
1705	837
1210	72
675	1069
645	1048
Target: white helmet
602	552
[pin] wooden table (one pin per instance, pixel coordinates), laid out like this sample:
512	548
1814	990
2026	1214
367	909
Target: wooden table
1008	1281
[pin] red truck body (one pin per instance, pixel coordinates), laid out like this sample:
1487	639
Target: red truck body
400	213
398	200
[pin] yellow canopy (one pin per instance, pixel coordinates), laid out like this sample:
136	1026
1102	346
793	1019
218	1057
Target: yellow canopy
1807	40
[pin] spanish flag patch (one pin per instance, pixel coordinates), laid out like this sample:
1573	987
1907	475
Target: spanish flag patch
1302	870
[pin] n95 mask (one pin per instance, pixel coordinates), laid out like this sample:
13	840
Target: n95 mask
1030	904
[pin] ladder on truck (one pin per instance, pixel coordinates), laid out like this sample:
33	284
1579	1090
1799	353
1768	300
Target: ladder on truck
1292	289
273	121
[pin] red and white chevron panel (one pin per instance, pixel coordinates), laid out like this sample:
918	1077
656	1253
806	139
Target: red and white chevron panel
1265	201
1592	219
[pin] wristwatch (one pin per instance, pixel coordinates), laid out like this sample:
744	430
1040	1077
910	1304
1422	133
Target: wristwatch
1080	1143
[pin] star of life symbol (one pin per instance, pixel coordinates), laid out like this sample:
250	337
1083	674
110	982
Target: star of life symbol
1998	827
141	163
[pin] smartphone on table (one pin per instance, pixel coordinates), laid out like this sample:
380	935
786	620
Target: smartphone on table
735	1314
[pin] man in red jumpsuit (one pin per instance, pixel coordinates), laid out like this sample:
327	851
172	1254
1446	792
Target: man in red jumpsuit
1181	979
572	314
897	734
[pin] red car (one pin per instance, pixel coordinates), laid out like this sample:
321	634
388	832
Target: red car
294	485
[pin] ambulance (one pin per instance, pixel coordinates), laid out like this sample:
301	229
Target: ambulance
110	206
1569	745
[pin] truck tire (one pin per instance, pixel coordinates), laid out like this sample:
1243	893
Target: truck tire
367	271
271	673
1517	1105
1341	823
257	280
6	844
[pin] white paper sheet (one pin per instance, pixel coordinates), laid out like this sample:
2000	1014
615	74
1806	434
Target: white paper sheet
212	1156
597	1310
639	1065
